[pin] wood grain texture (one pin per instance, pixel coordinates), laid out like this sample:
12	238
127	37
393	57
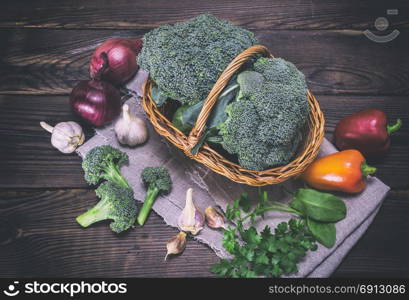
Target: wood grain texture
26	155
28	160
259	14
53	61
45	51
39	237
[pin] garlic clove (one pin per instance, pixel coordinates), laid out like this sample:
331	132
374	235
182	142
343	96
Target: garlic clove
176	245
214	219
129	129
65	136
191	219
78	136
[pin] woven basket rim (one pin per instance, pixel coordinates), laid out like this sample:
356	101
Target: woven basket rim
214	160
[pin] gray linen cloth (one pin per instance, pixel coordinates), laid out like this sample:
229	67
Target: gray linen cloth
216	190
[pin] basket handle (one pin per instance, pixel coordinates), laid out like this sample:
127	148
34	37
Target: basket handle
197	131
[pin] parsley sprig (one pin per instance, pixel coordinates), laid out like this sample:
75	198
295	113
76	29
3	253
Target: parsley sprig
277	253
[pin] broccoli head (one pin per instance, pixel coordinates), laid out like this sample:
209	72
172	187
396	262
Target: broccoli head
265	124
117	204
104	162
157	181
186	59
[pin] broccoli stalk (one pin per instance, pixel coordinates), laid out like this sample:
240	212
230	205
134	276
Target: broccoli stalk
117	204
150	198
98	213
113	173
104	162
157	181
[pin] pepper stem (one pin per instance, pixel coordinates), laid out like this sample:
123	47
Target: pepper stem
47	127
395	127
367	170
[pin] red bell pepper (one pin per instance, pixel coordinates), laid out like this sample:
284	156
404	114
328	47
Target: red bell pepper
366	131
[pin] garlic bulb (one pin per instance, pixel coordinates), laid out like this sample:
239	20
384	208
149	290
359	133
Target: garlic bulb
65	136
191	220
176	244
130	130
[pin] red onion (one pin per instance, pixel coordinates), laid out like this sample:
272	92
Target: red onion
97	102
121	55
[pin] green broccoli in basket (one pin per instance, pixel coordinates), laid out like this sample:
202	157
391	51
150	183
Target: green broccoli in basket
265	124
260	116
117	203
186	59
157	181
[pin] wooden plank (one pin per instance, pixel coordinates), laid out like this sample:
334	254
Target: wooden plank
259	14
27	158
26	155
39	237
334	62
49	62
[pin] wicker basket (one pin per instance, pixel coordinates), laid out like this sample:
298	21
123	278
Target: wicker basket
215	161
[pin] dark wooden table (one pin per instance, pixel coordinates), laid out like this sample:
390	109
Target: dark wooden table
45	48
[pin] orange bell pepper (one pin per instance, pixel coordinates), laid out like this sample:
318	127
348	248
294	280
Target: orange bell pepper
343	171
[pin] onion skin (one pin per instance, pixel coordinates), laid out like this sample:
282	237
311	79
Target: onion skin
97	102
121	55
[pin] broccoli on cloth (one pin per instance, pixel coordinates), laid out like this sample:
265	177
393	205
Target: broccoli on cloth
104	162
157	181
117	204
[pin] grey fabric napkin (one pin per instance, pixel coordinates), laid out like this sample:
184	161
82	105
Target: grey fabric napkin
216	190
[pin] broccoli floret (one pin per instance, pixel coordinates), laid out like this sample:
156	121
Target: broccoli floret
104	162
117	204
186	59
265	124
157	181
249	81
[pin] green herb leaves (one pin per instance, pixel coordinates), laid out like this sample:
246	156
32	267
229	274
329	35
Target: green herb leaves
323	207
325	233
275	254
321	211
266	254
